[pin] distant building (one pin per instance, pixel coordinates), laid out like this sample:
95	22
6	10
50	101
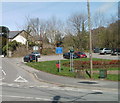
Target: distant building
19	36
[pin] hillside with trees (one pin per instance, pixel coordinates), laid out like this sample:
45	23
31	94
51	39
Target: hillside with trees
106	36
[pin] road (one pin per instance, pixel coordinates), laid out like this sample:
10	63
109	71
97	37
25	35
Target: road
22	83
107	56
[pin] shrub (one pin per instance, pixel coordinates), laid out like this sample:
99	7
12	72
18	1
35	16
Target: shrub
11	46
96	64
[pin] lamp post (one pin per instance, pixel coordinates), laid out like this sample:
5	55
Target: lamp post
8	52
89	26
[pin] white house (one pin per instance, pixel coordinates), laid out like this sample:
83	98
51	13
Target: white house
19	36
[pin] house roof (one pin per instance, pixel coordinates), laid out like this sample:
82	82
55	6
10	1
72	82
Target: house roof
13	34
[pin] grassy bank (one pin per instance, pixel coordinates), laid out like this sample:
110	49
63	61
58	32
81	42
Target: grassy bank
50	67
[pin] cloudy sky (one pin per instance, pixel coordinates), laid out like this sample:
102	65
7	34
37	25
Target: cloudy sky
14	13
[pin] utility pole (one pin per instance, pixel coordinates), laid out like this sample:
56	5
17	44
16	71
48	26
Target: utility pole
41	41
89	26
8	52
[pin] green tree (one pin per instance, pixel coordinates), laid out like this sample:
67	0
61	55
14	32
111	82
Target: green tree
4	31
11	46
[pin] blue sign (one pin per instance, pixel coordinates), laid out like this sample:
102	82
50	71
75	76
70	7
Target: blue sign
59	50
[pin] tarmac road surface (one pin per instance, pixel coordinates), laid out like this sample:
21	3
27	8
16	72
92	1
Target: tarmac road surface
22	83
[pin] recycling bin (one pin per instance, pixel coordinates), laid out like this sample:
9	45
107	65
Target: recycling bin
102	73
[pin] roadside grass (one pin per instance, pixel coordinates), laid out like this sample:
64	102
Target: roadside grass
112	77
50	67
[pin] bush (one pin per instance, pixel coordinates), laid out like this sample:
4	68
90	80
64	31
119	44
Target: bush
31	44
48	51
11	46
96	64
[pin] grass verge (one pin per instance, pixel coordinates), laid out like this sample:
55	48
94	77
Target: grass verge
50	67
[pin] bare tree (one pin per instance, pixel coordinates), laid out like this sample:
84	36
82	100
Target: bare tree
28	30
99	19
54	29
36	28
76	23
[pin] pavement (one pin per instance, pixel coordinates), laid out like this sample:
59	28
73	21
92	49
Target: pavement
77	82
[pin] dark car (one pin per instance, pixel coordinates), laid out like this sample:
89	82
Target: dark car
115	51
96	50
30	58
81	54
67	55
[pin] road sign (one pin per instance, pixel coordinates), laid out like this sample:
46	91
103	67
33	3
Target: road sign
59	50
71	50
35	48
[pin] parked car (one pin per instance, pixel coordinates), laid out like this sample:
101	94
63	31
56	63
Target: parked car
81	54
30	58
96	50
2	56
115	51
36	54
105	51
67	55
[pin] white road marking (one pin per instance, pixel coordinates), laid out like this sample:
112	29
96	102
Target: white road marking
2	79
43	86
31	86
24	97
3	72
20	79
35	75
45	99
11	85
97	90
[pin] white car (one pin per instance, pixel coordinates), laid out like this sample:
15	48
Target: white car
105	51
2	56
37	54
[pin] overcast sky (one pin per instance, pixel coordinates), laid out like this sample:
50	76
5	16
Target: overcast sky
14	13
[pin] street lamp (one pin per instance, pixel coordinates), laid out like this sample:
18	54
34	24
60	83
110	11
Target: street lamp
89	26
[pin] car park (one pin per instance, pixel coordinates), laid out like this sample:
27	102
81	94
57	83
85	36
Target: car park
81	54
115	51
30	58
67	55
105	51
36	54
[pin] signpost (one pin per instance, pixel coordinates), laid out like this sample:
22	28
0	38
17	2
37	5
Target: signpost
59	50
35	48
71	60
